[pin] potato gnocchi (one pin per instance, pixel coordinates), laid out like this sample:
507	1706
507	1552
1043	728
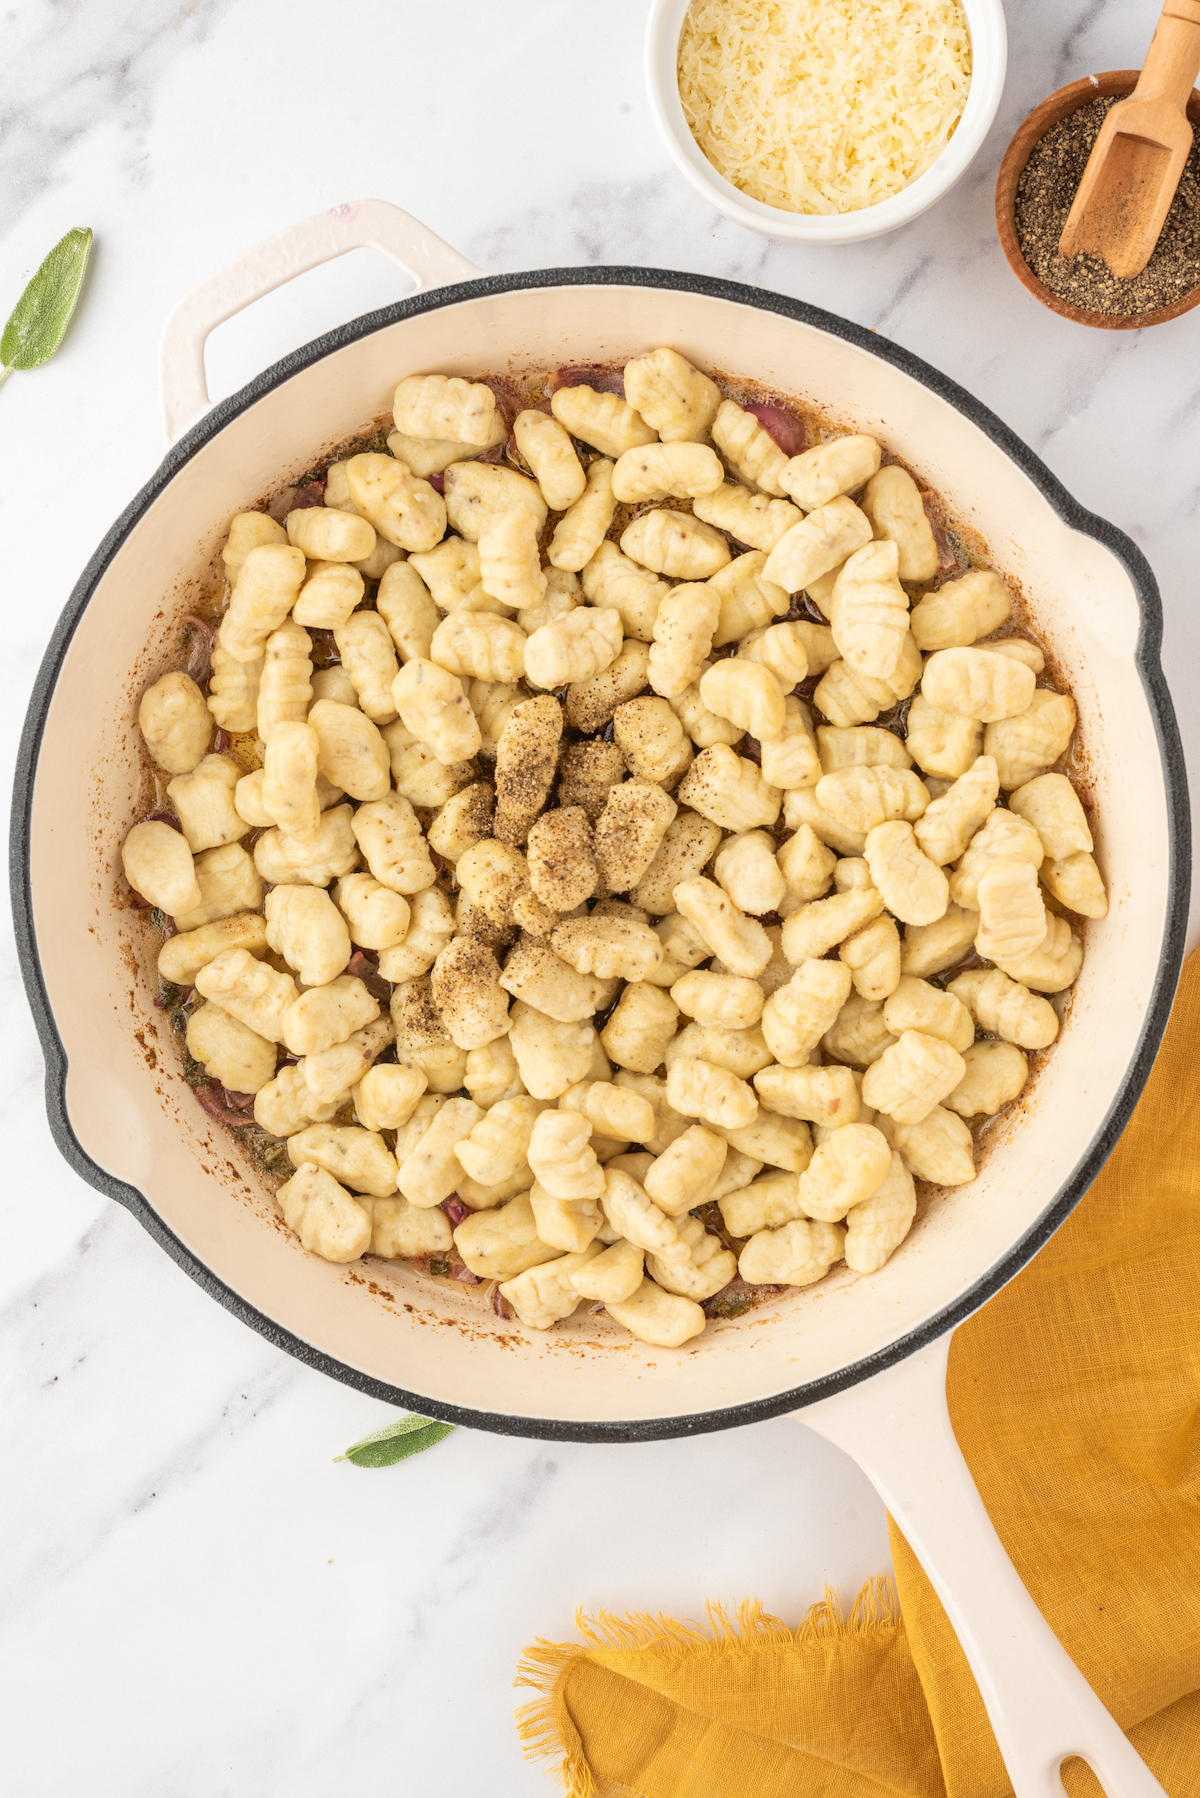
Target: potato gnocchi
610	847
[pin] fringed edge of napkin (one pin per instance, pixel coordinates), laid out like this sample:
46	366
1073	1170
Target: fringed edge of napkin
545	1725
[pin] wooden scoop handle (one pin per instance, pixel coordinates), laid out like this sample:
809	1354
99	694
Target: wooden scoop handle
1173	59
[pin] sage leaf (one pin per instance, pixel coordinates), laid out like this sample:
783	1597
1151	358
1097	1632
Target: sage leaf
396	1442
40	317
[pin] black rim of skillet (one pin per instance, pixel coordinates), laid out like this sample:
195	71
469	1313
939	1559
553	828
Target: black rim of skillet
1148	665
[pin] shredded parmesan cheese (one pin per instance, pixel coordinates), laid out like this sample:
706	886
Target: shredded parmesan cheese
823	106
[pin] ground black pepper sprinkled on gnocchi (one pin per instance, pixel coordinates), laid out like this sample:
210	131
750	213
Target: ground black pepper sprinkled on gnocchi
612	857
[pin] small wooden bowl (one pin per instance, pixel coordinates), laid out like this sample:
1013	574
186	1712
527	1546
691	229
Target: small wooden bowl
1067	100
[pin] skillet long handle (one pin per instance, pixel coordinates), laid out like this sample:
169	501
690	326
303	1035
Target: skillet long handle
897	1427
359	225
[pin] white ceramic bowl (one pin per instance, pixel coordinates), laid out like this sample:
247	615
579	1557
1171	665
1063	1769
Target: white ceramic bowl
989	59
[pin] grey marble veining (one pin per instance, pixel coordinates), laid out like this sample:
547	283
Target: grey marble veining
66	1362
71	66
197	1601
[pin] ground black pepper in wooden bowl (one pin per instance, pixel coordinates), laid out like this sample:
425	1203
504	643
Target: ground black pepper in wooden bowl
1045	189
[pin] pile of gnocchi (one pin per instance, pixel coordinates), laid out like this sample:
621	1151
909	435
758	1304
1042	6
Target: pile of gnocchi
613	856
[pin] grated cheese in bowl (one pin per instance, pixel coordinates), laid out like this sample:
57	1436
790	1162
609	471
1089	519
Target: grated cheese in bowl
823	106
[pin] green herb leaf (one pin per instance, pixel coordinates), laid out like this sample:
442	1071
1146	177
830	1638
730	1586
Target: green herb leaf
728	1307
396	1442
273	1155
40	317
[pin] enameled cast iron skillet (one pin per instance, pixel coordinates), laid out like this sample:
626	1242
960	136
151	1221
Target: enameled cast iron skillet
125	1121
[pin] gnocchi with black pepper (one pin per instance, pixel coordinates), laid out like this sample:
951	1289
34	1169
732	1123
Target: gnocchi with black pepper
612	859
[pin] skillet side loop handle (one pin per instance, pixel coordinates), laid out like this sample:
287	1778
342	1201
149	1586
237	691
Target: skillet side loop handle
896	1425
1173	59
359	225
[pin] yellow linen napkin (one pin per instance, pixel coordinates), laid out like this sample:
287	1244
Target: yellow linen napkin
1075	1396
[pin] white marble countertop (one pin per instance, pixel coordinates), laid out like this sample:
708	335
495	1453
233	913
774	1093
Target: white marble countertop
197	1601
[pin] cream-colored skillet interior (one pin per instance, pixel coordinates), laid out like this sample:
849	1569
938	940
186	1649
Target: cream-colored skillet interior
124	1098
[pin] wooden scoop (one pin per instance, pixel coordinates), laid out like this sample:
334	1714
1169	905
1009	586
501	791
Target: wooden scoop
1136	161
